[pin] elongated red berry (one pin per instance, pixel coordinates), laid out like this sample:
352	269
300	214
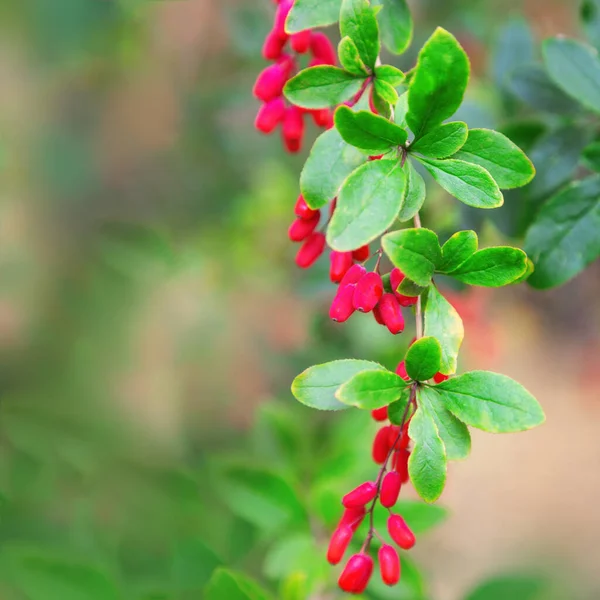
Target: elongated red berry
273	46
440	377
310	250
339	543
321	48
390	489
300	229
361	254
293	129
406	300
400	464
377	315
356	574
381	445
270	114
287	64
389	565
360	496
395	437
401	370
341	262
300	41
391	313
269	83
368	292
283	10
396	278
353	517
353	275
302	209
322	117
400	532
342	307
380	414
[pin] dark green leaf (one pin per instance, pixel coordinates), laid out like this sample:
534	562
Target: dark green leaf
322	87
492	267
470	183
316	387
367	205
371	389
308	14
564	238
515	46
350	58
460	247
439	83
386	91
331	160
515	587
423	359
396	24
444	324
397	411
491	402
591	156
590	16
416	252
524	132
410	288
358	21
233	586
502	159
367	131
442	141
193	564
415	193
389	74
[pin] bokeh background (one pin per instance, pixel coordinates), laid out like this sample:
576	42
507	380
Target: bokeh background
151	321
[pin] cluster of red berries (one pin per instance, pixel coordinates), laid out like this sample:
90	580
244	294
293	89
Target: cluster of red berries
271	81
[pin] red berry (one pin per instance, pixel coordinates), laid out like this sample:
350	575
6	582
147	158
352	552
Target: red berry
293	128
389	565
401	370
342	307
270	115
377	315
356	574
361	254
273	46
341	262
287	63
372	103
381	445
300	41
322	49
378	157
391	313
440	377
322	117
283	10
360	496
353	517
390	489
395	437
302	209
406	300
310	250
380	414
400	464
400	532
300	229
369	290
339	543
353	275
396	278
269	83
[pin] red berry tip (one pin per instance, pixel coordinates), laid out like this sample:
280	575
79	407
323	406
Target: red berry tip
440	377
341	262
302	210
339	543
380	414
300	229
401	370
391	313
360	496
353	517
381	445
342	307
361	254
389	565
400	532
356	574
310	250
369	291
390	489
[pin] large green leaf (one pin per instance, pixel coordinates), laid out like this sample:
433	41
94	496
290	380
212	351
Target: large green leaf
331	160
416	252
470	183
575	68
316	387
193	564
371	389
492	267
415	193
502	159
439	82
225	584
564	238
358	22
423	359
308	14
444	324
457	250
442	141
350	58
322	87
492	402
396	25
367	205
515	587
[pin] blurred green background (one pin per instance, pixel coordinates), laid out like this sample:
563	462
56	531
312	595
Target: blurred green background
151	321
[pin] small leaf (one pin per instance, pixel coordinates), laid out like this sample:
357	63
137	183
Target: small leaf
491	402
502	159
398	410
233	586
444	324
591	156
367	205
492	267
396	24
350	58
316	387
563	239
410	288
416	252
427	462
322	87
389	74
470	183
371	389
358	22
415	193
382	106
460	247
309	14
442	141
439	82
423	359
367	131
386	91
330	162
401	110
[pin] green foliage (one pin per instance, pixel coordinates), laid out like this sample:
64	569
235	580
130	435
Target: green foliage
358	22
396	25
442	141
233	586
389	74
306	14
371	389
423	359
457	249
516	587
350	58
415	193
492	267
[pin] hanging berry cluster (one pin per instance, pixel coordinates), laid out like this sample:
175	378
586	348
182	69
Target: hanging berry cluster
365	172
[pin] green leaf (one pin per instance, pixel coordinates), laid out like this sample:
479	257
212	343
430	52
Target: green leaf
564	239
322	87
193	564
316	387
382	107
415	193
350	58
460	247
591	156
444	324
396	24
470	183
398	410
515	587
367	205
492	267
427	462
284	556
423	359
590	17
575	68
416	252
515	46
439	83
410	288
420	517
368	131
330	162
386	91
371	389
309	14
502	159
442	141
389	74
453	433
491	402
358	21
401	111
233	586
